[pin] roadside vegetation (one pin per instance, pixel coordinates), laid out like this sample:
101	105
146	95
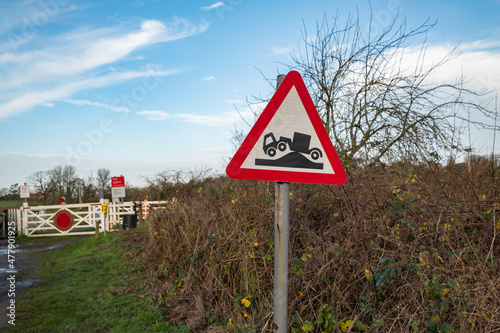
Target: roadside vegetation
399	248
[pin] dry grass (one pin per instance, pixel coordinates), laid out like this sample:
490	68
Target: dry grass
400	249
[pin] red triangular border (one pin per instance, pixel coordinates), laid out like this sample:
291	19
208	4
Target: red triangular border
234	169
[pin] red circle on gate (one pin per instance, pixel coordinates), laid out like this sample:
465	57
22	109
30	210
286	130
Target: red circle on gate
63	220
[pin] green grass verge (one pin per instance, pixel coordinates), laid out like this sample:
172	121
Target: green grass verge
87	286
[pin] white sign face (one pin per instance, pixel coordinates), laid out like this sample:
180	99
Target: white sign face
289	142
24	191
118	192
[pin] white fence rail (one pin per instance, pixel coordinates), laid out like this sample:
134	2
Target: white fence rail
12	215
116	211
147	207
38	221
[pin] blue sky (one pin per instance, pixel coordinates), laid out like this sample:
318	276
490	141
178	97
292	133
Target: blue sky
144	86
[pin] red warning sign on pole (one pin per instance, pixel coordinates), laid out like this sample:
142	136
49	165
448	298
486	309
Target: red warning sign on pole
118	181
289	142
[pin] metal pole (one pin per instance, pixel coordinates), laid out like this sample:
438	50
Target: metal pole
281	237
104	224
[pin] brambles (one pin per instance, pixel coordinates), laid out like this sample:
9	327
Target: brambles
414	249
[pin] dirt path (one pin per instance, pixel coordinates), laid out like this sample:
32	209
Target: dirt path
27	262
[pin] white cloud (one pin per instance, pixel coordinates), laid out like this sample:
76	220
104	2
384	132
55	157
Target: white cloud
280	50
154	115
208	78
235	102
224	119
100	105
7	153
82	53
75	61
214	6
476	61
28	100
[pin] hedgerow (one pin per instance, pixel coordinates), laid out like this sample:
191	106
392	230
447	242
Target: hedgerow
395	249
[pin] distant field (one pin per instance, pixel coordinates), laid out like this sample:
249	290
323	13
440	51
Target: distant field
11	204
17	203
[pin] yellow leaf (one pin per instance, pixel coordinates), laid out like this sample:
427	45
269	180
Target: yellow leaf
367	274
486	315
345	325
229	324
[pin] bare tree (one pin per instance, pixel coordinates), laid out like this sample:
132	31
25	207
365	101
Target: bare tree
62	181
103	177
70	182
85	188
375	104
56	181
41	181
4	191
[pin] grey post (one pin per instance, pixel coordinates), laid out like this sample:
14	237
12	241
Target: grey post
104	224
281	236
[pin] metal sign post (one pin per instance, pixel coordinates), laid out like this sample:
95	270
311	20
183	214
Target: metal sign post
281	236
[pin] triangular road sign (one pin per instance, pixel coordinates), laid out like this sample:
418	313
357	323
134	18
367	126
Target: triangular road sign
288	143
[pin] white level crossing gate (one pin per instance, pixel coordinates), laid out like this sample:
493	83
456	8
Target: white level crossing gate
60	220
75	219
